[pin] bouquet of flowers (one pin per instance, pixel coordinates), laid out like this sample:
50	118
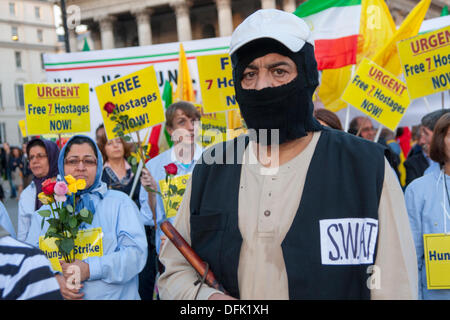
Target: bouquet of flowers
63	221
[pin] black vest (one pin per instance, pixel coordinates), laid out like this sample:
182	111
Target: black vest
344	180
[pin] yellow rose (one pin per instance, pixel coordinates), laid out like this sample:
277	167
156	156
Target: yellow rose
75	184
44	199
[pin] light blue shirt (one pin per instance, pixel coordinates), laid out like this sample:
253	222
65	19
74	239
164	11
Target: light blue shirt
113	276
5	221
26	210
156	168
424	199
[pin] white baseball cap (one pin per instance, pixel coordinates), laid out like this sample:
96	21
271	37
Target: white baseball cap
279	25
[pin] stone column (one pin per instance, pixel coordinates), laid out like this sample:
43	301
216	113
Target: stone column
73	42
183	21
289	5
225	17
268	4
107	31
143	26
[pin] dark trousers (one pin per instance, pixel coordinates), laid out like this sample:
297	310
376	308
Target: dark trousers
148	274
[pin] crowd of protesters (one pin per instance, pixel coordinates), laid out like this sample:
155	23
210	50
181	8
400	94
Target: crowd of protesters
265	236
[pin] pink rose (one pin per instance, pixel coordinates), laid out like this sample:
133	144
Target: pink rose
60	191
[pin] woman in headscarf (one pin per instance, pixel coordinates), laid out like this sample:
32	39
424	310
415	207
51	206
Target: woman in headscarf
115	274
43	158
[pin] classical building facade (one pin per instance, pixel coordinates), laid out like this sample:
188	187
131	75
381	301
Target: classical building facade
27	31
124	23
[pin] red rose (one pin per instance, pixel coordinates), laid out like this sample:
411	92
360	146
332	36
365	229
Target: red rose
48	187
109	107
171	168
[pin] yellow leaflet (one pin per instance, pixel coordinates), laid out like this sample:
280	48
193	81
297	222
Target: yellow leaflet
89	243
437	260
56	108
180	182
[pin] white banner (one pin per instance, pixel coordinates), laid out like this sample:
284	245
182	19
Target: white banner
100	66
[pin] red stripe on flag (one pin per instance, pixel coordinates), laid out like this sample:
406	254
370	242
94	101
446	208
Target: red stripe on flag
153	140
336	53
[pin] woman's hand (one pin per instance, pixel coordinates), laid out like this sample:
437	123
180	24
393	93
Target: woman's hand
74	270
69	291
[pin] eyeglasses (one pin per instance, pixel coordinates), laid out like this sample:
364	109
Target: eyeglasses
38	156
87	162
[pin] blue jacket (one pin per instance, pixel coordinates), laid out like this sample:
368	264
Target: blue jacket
26	211
424	199
5	221
156	168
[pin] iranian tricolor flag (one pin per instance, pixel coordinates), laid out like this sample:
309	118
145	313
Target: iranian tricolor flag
335	27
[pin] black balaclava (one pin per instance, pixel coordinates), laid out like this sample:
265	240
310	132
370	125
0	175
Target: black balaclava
289	107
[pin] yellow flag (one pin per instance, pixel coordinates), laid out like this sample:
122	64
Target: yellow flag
387	57
333	83
375	28
185	90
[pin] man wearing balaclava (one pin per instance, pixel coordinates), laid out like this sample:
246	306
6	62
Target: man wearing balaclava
318	214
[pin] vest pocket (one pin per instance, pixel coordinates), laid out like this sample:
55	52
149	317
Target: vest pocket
207	233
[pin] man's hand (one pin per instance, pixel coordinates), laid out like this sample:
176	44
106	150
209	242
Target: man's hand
148	181
69	292
163	240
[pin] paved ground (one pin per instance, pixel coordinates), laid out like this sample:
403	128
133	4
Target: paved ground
10	204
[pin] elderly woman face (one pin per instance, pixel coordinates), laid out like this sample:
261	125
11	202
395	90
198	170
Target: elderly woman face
81	163
38	161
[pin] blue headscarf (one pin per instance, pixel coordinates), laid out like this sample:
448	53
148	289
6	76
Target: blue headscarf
97	189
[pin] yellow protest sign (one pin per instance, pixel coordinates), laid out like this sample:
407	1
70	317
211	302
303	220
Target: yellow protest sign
135	95
377	93
426	62
213	127
56	108
180	182
23	128
88	243
437	260
216	83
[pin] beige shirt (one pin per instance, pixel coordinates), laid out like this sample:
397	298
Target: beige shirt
266	212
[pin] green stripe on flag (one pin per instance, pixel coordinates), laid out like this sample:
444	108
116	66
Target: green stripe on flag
167	98
136	57
314	6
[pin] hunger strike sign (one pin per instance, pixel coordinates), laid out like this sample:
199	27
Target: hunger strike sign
88	243
135	95
56	108
377	93
426	62
216	83
436	248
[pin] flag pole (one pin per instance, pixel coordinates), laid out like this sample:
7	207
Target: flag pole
347	113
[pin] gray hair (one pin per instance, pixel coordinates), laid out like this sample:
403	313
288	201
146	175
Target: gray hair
429	120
